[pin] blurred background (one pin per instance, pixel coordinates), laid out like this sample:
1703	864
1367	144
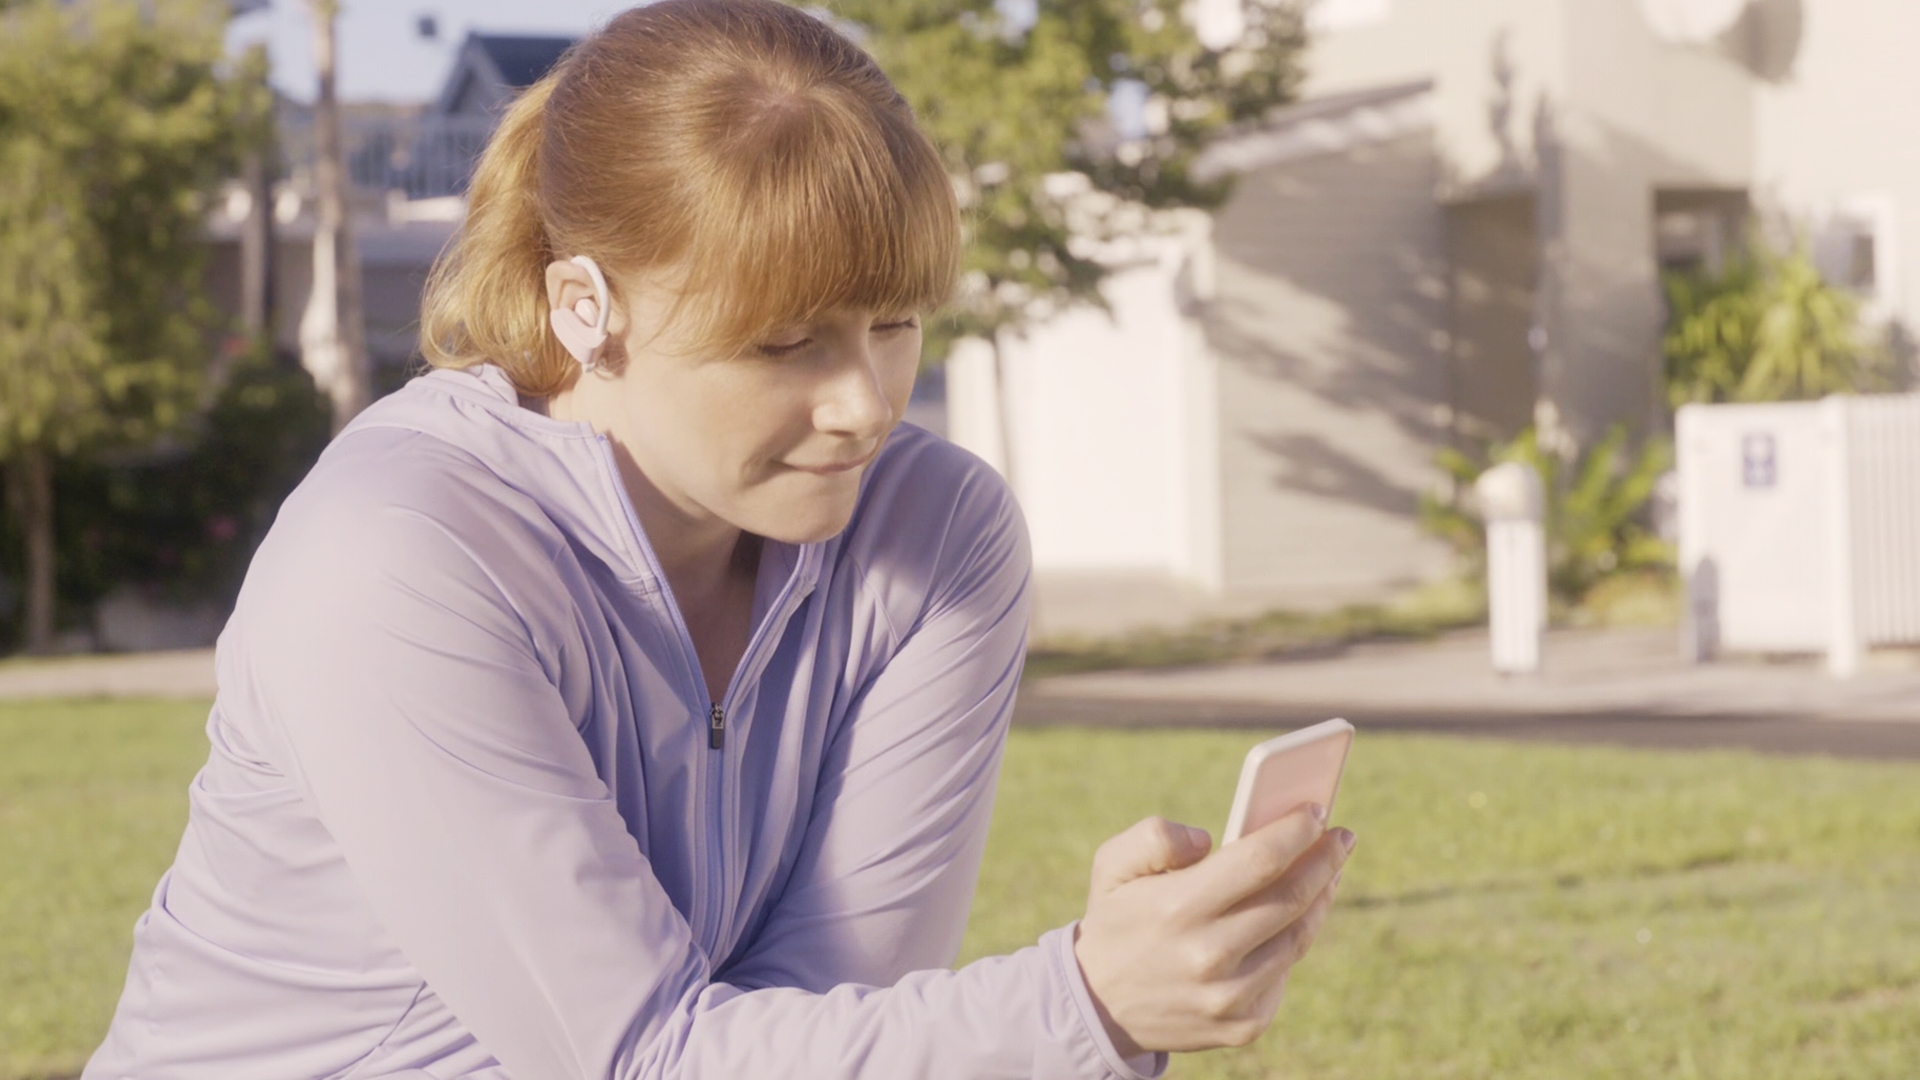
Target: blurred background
1257	293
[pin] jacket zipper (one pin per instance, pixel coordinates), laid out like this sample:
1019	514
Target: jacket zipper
709	886
751	663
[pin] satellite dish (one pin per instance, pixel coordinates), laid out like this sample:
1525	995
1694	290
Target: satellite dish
1691	22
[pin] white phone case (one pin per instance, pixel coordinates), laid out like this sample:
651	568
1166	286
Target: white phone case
1283	774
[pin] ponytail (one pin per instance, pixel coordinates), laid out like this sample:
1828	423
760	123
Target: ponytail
744	144
486	297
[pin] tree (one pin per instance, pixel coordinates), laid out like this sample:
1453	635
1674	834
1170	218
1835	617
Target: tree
116	119
1021	102
333	333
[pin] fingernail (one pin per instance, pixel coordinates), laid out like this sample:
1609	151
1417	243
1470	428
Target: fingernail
1347	839
1197	838
1319	813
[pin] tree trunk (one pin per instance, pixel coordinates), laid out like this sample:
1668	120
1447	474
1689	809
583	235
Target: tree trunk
333	333
1005	407
256	252
30	501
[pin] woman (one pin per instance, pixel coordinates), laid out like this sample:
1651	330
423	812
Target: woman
625	697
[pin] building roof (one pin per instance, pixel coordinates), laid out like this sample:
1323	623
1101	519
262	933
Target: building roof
521	60
1324	125
492	69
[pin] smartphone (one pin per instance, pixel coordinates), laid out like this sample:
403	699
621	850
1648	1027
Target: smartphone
1281	775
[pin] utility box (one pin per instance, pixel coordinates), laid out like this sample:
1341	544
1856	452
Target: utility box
1800	526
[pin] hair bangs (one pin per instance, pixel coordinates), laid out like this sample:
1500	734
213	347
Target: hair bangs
819	201
742	152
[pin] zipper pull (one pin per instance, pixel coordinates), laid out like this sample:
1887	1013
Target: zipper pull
716	728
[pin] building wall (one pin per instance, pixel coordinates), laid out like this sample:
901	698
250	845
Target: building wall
1578	101
1492	256
1832	139
1101	443
1328	328
1492	62
395	258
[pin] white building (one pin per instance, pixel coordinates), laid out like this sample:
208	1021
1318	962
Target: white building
1457	232
408	166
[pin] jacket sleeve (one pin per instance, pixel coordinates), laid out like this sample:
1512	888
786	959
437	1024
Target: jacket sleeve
886	875
399	686
886	872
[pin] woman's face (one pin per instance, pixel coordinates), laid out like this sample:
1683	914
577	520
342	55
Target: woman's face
773	441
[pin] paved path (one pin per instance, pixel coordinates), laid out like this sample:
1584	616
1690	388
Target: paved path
1626	687
183	673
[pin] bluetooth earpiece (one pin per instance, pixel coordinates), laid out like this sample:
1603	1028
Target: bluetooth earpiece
582	330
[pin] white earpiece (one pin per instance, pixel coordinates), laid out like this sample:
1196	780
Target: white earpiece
583	329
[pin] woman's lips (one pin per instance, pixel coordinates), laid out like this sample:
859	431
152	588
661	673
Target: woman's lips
831	468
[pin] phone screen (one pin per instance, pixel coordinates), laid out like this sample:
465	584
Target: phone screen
1284	774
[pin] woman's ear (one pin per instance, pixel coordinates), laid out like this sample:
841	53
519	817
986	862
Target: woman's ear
579	305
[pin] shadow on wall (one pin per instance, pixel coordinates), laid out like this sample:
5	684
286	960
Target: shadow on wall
1600	286
1310	463
1332	285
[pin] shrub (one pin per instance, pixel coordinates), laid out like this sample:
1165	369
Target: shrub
1595	509
1765	327
182	523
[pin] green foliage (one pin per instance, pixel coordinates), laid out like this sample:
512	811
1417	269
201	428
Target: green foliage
1011	109
1594	520
188	524
1766	327
184	524
116	118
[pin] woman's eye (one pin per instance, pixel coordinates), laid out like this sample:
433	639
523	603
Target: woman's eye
782	348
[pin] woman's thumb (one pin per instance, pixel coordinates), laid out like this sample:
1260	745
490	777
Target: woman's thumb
1152	846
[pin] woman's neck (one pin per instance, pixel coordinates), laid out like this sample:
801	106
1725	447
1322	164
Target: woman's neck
710	565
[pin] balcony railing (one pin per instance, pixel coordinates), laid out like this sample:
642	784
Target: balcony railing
421	155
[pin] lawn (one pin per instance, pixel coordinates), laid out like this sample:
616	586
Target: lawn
1512	910
1519	910
92	799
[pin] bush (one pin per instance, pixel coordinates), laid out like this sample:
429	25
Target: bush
1766	327
182	524
1595	509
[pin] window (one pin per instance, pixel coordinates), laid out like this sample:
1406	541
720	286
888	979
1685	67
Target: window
1853	247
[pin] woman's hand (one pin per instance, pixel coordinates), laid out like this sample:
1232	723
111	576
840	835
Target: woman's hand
1183	951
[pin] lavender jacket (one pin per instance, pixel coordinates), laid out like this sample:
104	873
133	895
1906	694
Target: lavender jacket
470	813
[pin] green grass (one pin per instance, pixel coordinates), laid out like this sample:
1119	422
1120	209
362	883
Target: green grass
1517	910
1421	613
93	796
1490	924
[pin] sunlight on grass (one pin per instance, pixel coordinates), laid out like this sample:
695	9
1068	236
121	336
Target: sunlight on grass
1514	910
1421	613
93	796
1533	911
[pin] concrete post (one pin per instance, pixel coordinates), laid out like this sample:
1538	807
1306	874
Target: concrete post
1513	505
1845	649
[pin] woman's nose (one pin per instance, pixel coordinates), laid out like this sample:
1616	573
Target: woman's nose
854	400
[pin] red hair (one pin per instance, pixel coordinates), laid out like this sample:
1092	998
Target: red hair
743	145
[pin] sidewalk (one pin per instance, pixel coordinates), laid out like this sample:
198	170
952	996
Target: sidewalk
1620	672
183	673
1618	686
